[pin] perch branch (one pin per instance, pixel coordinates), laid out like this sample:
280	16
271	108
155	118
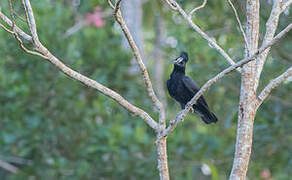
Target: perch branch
180	116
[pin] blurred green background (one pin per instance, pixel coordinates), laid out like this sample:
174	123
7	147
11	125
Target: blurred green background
53	127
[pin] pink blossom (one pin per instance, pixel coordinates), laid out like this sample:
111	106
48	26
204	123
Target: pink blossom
266	174
95	18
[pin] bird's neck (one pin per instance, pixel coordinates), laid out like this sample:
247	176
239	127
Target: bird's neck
179	69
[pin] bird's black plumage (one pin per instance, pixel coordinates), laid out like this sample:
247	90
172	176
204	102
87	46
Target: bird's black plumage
182	89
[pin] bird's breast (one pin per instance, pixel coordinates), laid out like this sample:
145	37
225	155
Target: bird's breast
178	91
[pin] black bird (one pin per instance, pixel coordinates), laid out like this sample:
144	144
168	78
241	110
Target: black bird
182	89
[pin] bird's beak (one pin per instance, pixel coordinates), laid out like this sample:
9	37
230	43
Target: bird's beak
178	60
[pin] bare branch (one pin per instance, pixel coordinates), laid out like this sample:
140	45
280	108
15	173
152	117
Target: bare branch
17	37
17	29
31	21
238	20
202	33
180	116
273	84
92	83
171	4
6	29
271	27
9	167
197	8
288	3
155	100
111	4
85	80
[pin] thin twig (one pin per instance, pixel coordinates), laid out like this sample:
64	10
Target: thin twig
197	8
202	33
6	29
31	21
238	20
19	17
273	84
155	100
17	37
180	116
17	29
111	4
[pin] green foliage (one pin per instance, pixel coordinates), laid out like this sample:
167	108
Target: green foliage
69	131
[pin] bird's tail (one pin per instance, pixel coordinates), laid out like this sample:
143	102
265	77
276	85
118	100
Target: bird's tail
207	116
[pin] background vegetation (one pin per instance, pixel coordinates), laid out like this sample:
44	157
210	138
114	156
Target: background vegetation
61	129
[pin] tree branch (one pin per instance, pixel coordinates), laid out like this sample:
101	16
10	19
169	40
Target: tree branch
9	167
31	21
180	116
197	8
238	20
45	53
110	4
17	29
6	29
155	100
176	7
273	84
271	27
20	43
288	3
172	4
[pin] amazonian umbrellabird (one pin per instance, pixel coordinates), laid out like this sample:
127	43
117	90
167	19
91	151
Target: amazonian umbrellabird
182	89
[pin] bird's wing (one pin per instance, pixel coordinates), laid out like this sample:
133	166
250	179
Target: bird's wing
194	88
190	84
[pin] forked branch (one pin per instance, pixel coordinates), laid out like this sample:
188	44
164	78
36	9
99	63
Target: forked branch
30	20
45	53
17	29
272	85
147	81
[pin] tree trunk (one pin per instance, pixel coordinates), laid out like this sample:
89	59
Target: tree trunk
162	158
247	110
